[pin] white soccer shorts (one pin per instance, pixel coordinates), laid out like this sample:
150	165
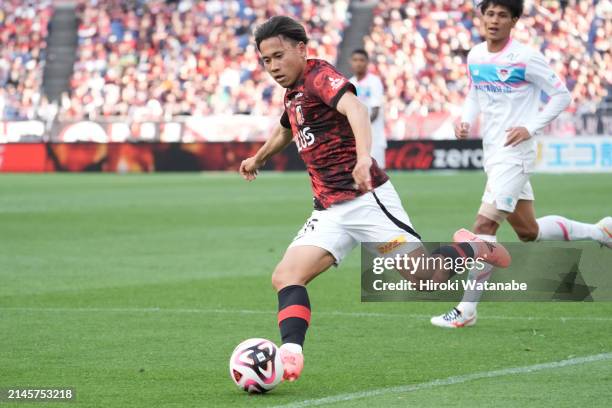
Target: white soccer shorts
506	184
377	216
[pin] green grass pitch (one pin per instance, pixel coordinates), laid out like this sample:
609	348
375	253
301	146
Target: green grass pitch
135	289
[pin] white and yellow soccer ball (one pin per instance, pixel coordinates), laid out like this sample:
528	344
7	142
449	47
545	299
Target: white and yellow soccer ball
255	366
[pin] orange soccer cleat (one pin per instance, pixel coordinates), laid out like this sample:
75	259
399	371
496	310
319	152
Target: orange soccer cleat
293	363
491	252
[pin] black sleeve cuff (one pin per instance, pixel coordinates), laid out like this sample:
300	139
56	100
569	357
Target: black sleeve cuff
347	87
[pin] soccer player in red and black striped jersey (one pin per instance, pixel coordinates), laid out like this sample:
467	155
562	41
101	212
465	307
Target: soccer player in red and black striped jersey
353	198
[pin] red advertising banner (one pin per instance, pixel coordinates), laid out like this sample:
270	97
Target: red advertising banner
29	158
218	156
149	157
583	154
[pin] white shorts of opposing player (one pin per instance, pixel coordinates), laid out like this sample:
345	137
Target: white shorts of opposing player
367	218
506	184
509	182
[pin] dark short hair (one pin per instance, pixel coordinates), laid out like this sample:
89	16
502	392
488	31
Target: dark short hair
361	51
515	6
282	26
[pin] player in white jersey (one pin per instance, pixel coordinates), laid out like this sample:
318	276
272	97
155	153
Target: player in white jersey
370	93
506	81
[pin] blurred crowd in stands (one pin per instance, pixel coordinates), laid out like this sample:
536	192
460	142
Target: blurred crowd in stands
23	33
157	59
419	48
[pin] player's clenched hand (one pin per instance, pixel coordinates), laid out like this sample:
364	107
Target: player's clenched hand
361	173
516	135
462	130
249	167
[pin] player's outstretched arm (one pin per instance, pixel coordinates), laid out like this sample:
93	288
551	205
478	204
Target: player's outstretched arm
279	140
357	115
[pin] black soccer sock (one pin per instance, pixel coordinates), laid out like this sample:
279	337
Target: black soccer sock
293	314
460	250
455	251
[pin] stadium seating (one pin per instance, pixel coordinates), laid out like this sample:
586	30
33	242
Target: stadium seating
419	48
157	59
23	30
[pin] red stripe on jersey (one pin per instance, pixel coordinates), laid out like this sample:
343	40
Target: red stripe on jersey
299	311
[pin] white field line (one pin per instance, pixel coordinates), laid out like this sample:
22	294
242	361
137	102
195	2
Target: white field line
442	382
271	312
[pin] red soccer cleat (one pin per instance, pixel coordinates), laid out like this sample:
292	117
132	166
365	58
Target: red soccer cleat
491	252
293	363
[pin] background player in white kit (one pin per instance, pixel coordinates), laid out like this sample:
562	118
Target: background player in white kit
371	93
506	81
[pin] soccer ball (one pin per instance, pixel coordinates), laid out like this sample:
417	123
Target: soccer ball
256	366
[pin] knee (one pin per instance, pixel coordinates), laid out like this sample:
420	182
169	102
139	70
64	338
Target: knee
278	277
283	276
527	234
